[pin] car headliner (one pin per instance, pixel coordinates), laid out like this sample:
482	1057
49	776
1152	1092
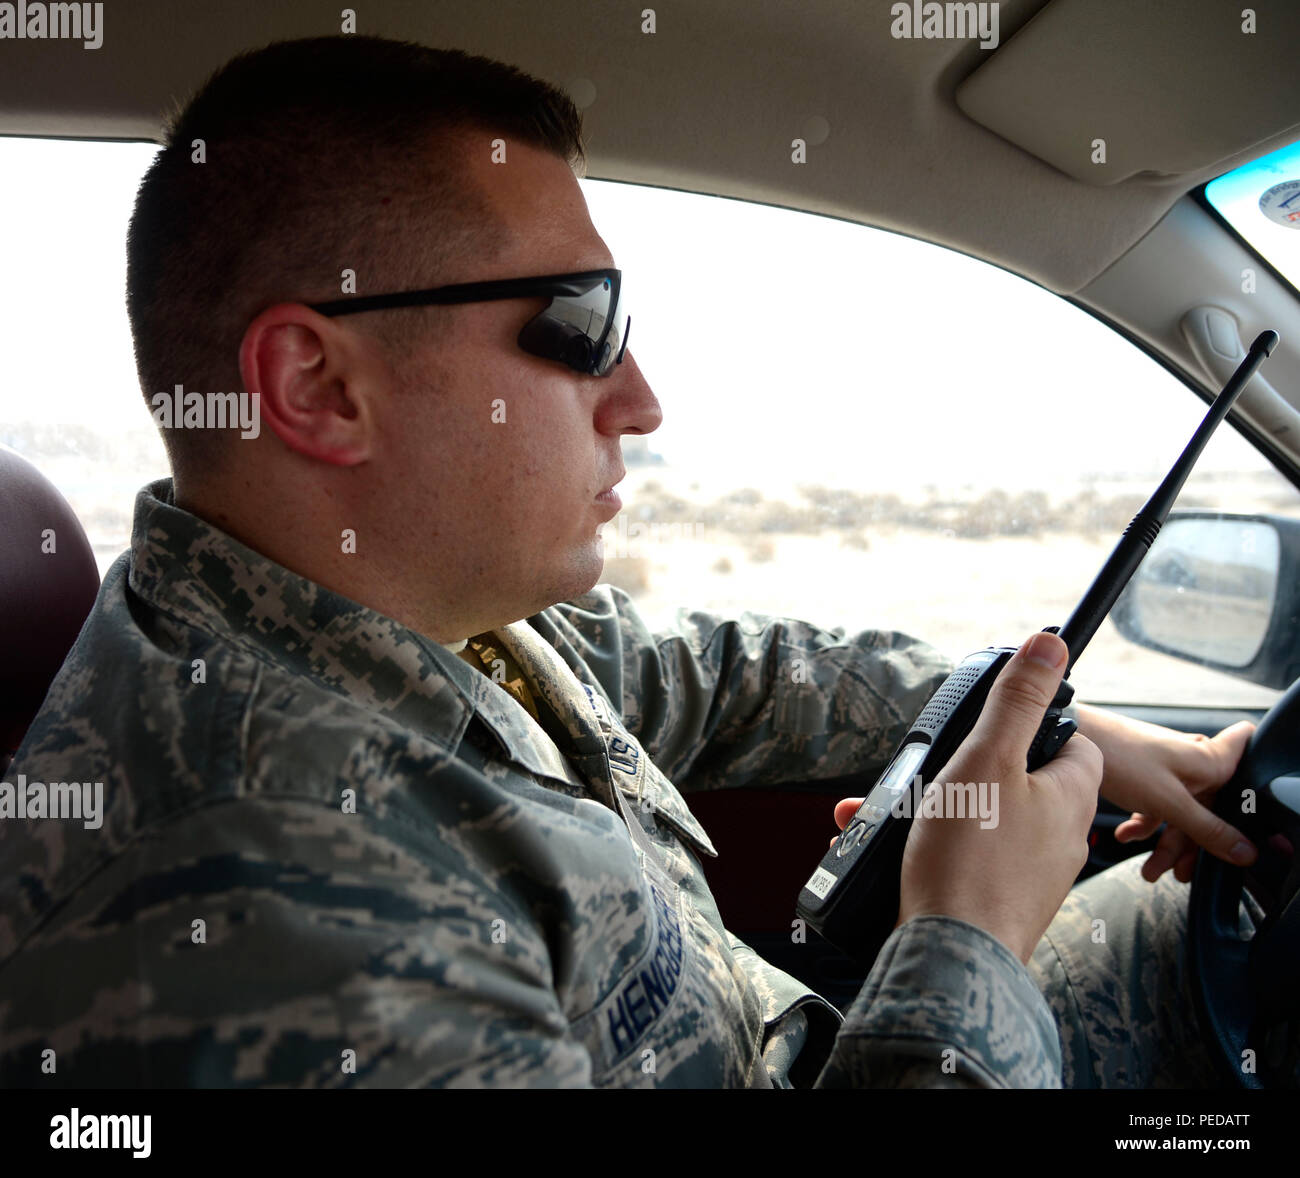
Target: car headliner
988	151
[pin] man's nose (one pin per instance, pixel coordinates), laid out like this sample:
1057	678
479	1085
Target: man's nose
630	406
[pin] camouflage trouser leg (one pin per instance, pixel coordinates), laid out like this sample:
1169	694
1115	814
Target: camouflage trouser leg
1119	990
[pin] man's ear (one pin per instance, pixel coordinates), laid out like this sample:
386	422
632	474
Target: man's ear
313	381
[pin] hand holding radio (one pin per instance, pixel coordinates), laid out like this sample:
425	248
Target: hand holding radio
1009	874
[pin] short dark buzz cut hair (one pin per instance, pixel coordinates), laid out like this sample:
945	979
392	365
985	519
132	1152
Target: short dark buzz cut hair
317	155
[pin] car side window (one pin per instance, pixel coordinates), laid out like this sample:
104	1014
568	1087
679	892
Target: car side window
861	430
869	431
72	402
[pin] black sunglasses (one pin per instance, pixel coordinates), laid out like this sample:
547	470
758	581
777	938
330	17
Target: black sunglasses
579	327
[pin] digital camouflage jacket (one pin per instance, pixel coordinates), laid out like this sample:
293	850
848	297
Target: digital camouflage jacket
331	853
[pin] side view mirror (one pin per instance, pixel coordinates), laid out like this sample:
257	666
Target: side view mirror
1222	591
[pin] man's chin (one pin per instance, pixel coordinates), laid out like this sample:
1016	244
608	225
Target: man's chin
591	574
582	574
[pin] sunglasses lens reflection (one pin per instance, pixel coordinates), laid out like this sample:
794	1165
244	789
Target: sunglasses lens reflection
571	329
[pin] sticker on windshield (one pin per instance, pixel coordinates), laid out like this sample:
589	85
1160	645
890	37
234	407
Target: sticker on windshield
1281	204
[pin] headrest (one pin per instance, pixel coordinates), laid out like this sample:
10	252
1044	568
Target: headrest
48	582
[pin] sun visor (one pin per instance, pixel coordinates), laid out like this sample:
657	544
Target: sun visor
1105	91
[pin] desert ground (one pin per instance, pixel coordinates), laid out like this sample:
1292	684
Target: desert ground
958	569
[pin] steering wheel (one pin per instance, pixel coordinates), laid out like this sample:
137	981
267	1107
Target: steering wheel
1247	988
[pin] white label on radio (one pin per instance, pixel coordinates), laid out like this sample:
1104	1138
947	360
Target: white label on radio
821	883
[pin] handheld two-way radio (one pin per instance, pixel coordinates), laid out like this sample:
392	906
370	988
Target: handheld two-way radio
852	898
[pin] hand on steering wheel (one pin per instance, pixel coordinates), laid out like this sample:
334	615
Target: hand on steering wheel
1245	988
1163	776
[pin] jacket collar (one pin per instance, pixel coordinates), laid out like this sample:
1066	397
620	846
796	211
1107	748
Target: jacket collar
189	569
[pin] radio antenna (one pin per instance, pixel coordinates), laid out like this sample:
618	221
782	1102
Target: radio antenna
1141	533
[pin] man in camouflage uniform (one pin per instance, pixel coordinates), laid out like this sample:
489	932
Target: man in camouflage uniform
362	826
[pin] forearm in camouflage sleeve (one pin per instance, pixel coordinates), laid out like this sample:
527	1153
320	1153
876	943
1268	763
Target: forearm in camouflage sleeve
946	1005
759	701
